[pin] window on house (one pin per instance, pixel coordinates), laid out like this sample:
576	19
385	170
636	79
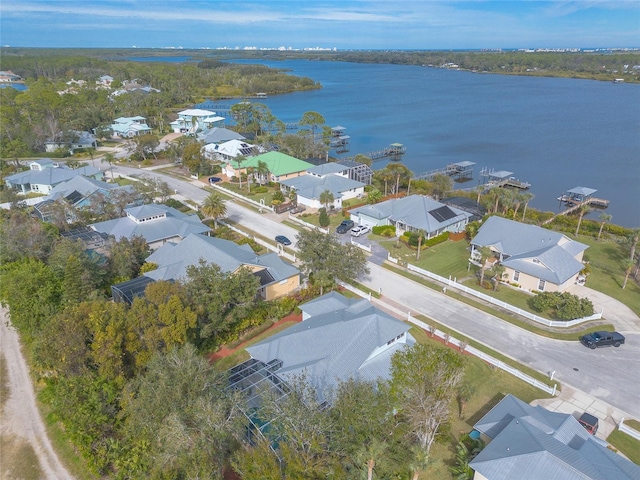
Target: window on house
541	284
516	276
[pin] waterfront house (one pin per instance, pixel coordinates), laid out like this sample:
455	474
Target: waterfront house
194	120
105	81
412	214
533	257
227	151
331	177
156	223
281	166
218	135
530	443
277	277
44	174
129	127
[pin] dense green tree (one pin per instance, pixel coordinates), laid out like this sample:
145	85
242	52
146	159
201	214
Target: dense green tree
323	218
442	184
33	293
125	258
22	236
182	411
326	198
313	120
219	298
322	255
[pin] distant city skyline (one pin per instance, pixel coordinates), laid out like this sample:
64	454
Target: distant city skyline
348	24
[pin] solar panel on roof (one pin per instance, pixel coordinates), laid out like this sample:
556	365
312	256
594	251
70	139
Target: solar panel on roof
442	214
74	196
264	276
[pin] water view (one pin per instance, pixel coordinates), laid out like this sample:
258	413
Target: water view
555	133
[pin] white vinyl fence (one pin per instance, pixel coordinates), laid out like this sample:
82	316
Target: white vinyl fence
307	224
279	249
628	430
260	204
454	341
487	298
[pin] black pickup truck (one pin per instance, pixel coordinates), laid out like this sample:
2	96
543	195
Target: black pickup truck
602	339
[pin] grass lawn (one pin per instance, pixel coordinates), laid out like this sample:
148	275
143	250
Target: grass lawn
608	259
626	444
234	187
489	387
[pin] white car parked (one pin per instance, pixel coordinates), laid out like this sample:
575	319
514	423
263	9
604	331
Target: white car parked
360	230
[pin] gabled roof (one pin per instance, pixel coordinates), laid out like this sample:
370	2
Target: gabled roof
175	224
50	176
584	191
218	135
173	259
327	169
278	163
417	211
350	341
231	148
531	249
531	443
310	186
196	112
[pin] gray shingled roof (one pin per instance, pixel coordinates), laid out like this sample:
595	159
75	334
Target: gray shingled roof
310	186
336	345
175	224
417	211
522	243
174	258
532	443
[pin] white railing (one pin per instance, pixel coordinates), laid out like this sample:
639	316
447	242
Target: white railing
628	430
307	224
366	248
277	249
487	298
242	197
454	341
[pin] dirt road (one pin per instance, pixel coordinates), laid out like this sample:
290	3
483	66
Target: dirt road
20	417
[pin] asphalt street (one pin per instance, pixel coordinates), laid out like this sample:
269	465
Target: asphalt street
609	374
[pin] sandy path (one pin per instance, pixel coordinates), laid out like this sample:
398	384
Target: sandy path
20	416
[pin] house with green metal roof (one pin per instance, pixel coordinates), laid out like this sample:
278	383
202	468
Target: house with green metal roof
281	166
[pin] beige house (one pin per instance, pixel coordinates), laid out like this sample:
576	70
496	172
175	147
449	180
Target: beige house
534	258
277	278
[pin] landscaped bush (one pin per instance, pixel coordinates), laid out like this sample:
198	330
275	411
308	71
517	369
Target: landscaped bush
563	306
385	230
173	203
256	247
260	190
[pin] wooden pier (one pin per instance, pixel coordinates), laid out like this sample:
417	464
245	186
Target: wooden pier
576	198
501	178
457	171
395	151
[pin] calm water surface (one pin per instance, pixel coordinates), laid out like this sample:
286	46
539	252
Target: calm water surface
551	132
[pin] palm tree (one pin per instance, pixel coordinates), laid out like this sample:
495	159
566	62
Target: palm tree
326	198
604	217
583	211
262	170
371	453
485	254
399	172
110	158
498	271
635	235
461	470
420	461
385	176
239	159
214	206
627	271
526	204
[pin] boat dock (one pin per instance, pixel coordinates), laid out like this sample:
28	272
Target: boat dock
395	150
339	140
457	171
501	178
576	198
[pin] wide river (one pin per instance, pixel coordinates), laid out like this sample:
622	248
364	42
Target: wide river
555	133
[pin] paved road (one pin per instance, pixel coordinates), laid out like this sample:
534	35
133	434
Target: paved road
610	374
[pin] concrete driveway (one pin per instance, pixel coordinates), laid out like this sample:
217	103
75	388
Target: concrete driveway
616	312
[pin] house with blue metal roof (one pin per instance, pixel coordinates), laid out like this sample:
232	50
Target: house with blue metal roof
532	443
44	174
129	127
326	177
156	223
277	277
339	339
412	214
533	257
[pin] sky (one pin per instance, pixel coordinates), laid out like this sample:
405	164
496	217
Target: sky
340	24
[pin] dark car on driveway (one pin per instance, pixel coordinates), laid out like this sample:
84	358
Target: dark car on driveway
345	226
589	422
283	240
602	339
214	179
